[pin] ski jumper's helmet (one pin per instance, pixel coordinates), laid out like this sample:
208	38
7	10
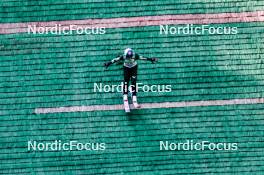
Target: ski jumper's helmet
128	53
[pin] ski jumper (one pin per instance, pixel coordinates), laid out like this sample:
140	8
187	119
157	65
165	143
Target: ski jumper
130	69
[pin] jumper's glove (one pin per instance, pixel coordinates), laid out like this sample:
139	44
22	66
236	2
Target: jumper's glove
107	64
153	60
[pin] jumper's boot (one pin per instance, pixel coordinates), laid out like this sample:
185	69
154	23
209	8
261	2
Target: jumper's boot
135	103
126	104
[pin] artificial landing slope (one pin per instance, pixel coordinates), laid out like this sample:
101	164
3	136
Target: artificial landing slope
54	70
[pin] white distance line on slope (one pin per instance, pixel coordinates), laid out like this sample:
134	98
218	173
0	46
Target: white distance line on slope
150	105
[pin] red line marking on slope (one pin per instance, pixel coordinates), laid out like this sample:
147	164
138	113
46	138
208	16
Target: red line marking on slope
217	18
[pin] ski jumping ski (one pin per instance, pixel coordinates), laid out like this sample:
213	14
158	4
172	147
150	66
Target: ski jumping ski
126	103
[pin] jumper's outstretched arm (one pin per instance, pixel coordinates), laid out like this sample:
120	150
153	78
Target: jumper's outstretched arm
153	60
117	59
